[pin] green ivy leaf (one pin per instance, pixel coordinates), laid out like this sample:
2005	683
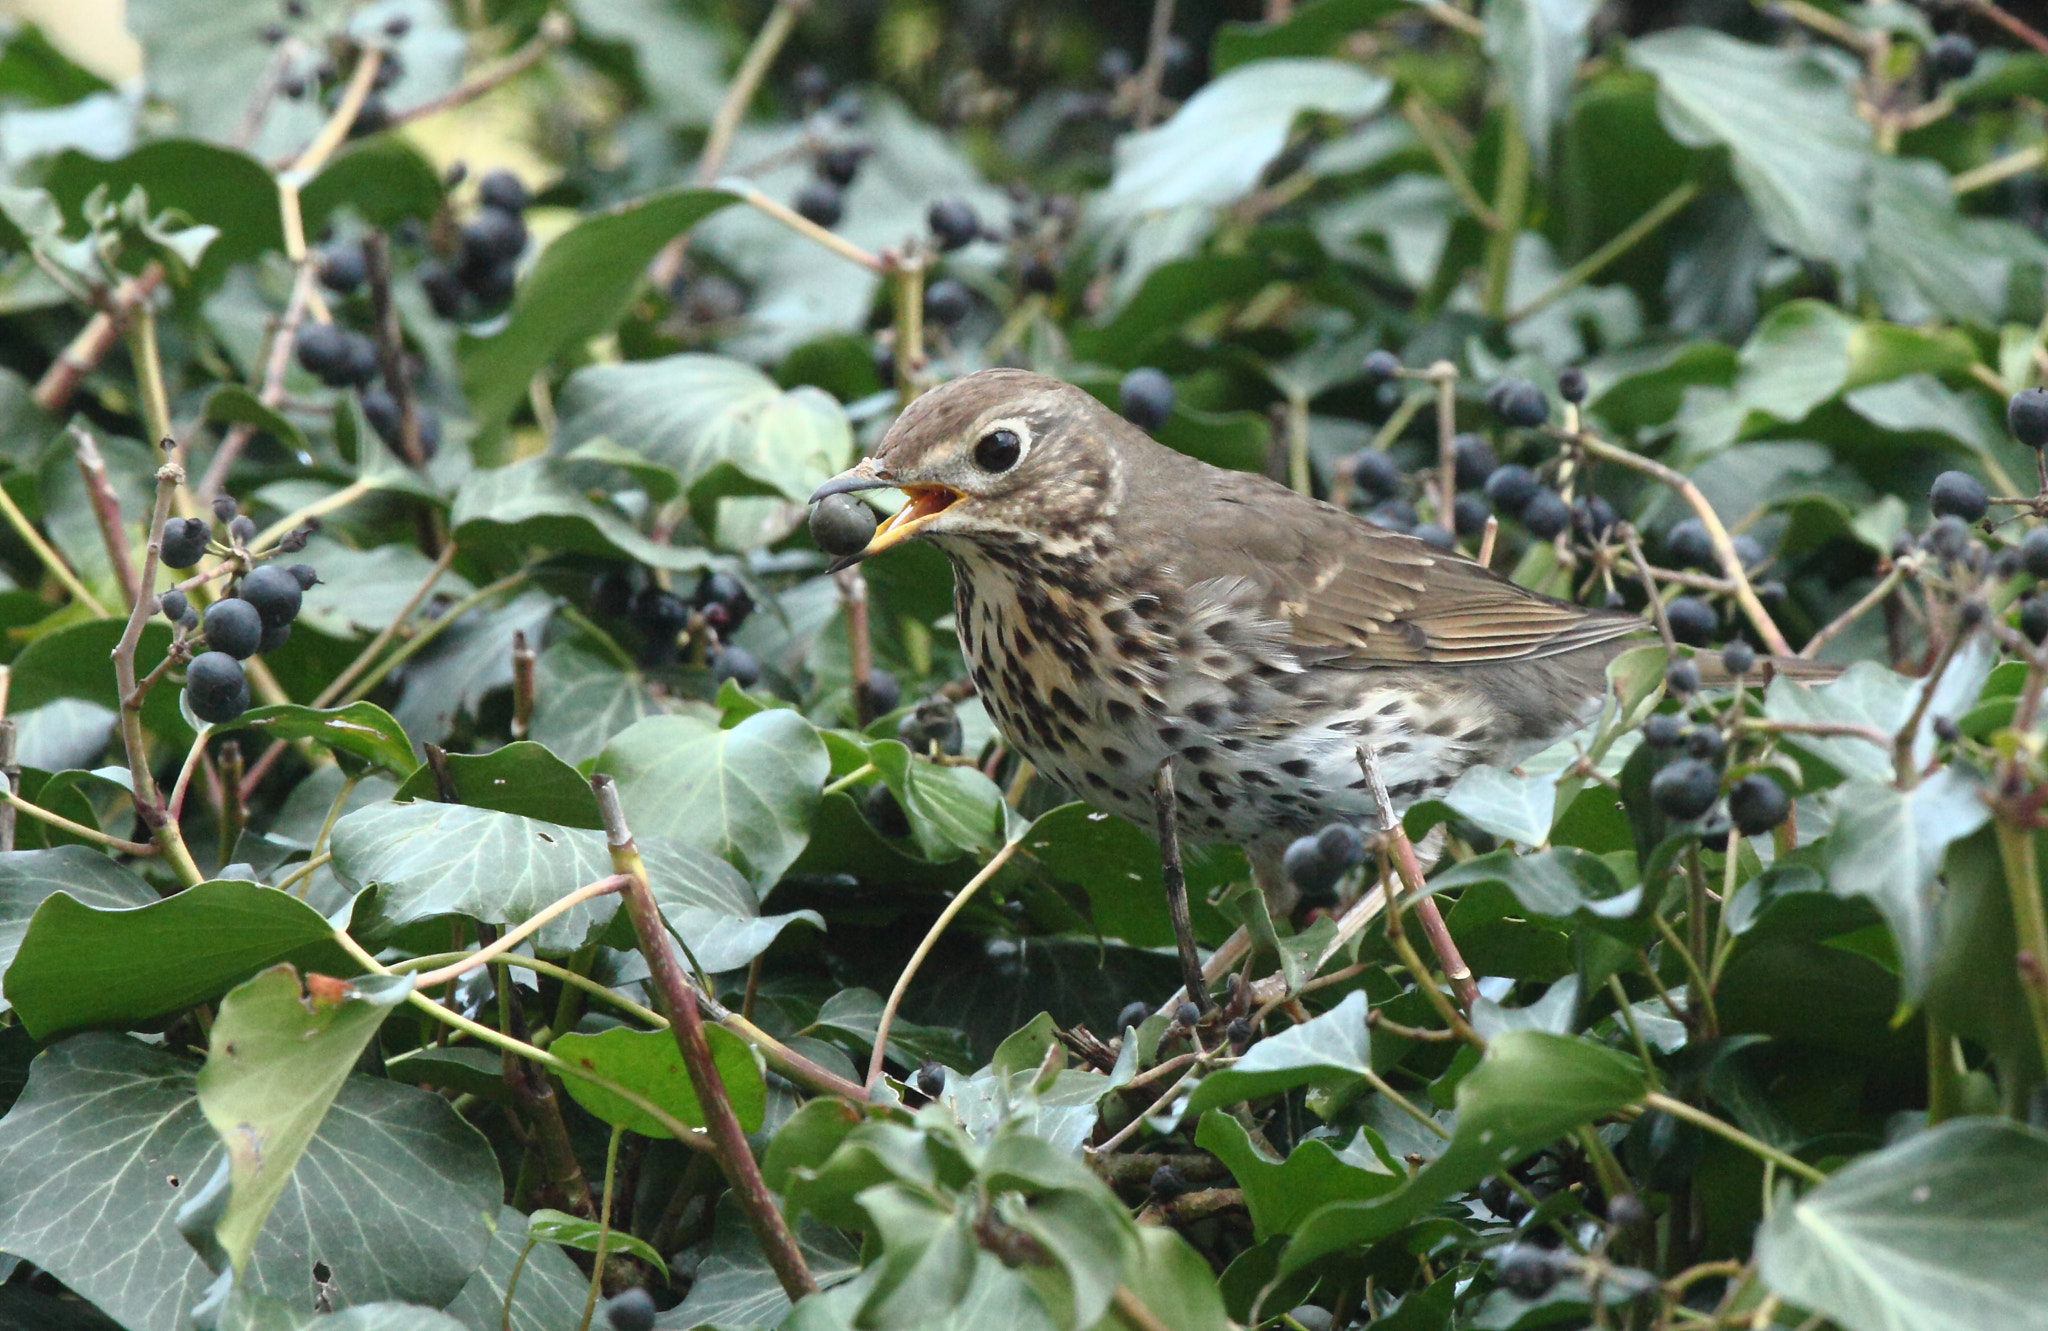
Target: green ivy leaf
1944	1231
276	1058
80	965
361	735
649	1063
521	778
1529	1088
574	1232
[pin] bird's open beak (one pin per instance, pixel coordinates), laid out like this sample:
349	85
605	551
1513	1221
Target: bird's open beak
926	503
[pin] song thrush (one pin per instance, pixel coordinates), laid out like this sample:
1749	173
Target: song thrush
1124	607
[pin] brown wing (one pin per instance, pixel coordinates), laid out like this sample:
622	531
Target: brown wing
1359	595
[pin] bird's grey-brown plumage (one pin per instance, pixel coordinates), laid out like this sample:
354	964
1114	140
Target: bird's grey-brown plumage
1121	604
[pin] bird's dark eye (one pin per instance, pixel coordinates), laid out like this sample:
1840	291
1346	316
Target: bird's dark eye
998	450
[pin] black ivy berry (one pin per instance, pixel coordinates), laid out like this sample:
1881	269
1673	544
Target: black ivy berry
1382	365
723	599
946	302
1546	515
1469	514
842	525
1435	535
1949	538
884	812
1685	789
2034	553
1952	56
1474	460
953	223
1394	515
1945	729
1524	1270
1341	845
2026	415
274	592
1593	517
215	688
380	409
1704	743
1958	494
1689	546
1145	398
443	289
501	189
274	637
232	625
931	1079
839	162
631	1311
820	201
1135	1014
1036	274
1376	474
494	236
736	664
1167	1183
1239	1033
1757	804
1511	487
184	542
1188	1015
1309	869
342	269
933	721
1571	385
1661	730
880	695
359	361
305	576
1682	677
173	604
1692	620
659	614
1738	658
1518	402
323	351
2034	618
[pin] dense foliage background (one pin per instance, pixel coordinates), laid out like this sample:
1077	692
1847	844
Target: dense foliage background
527	331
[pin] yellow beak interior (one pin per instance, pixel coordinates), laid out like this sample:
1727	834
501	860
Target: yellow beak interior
926	503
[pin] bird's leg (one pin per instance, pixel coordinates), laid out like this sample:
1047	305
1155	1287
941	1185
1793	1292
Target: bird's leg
1167	805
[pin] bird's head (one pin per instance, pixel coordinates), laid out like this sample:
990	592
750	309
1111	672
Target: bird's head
995	457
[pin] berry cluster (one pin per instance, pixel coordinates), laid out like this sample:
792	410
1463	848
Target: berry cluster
667	624
1315	864
255	617
314	69
478	278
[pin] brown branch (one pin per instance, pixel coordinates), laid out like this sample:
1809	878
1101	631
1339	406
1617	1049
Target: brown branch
523	659
555	30
1153	72
2023	31
1410	871
271	393
1166	809
728	1139
391	345
148	800
1724	544
53	392
106	510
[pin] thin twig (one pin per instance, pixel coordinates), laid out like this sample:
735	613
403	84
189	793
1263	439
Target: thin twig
1724	544
1419	114
2023	31
106	510
524	658
555	29
1998	170
1624	240
276	367
1886	585
1634	542
82	355
513	937
1691	1114
1410	871
51	560
1153	72
148	803
924	947
59	821
728	1139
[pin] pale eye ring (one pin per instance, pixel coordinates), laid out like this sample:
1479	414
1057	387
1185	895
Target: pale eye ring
998	450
